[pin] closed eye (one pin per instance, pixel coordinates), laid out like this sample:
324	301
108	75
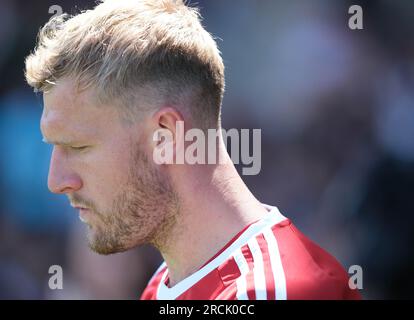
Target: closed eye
79	148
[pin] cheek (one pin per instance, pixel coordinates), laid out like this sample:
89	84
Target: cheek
105	173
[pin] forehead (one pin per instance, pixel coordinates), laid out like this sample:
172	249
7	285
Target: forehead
67	112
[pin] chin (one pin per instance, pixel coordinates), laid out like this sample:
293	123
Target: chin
105	249
103	246
108	245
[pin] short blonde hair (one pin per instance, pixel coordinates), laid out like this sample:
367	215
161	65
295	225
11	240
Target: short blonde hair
123	45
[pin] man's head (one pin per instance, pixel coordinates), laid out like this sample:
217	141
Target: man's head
111	77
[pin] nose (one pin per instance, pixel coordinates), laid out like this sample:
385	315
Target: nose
62	179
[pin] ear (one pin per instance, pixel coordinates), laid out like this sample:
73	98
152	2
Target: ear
168	135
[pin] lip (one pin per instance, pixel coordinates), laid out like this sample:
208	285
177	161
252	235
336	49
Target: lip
80	208
83	213
83	210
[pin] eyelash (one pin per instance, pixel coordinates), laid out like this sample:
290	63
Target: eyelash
79	148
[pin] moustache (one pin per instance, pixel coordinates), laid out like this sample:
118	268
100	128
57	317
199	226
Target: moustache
77	201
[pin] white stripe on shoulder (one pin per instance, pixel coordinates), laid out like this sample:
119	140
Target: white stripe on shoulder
241	281
258	270
276	264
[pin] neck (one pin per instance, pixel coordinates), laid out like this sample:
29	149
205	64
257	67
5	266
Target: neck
212	211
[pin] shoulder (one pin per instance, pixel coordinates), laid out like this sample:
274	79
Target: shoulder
311	272
282	263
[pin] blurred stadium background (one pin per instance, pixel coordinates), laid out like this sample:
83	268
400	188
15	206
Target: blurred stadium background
336	109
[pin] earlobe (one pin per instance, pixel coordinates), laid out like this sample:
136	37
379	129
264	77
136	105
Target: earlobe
163	152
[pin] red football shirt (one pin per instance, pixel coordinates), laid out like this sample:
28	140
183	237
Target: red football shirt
270	259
